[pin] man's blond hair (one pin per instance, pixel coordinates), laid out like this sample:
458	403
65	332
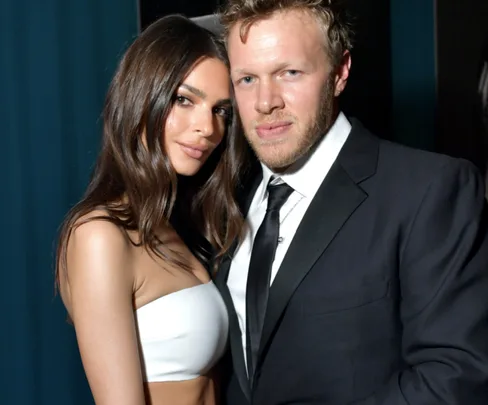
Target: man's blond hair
330	14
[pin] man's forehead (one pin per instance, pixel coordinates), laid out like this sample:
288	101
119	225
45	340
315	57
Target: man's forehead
275	32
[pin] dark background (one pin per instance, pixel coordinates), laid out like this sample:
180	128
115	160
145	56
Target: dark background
414	73
462	32
368	95
413	80
150	10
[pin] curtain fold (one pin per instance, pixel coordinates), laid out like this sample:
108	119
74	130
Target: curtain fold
413	65
56	59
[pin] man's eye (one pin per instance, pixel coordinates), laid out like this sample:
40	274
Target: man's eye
292	72
246	80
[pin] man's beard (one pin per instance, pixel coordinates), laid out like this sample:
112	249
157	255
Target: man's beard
321	123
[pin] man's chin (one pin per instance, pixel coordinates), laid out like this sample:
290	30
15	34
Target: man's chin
277	162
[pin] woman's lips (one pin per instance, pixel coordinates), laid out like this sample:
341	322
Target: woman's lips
193	151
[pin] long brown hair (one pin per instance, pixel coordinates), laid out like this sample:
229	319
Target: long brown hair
134	182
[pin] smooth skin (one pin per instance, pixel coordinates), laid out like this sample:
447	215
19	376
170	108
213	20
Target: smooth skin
108	277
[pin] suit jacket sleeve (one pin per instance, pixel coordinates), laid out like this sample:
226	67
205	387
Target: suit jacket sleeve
444	297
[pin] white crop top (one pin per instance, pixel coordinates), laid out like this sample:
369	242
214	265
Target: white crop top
182	334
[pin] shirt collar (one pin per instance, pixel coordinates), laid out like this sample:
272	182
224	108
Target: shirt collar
306	175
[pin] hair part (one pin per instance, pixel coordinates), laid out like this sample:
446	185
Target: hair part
133	181
331	16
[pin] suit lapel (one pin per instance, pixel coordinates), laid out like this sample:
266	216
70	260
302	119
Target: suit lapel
221	283
336	200
234	335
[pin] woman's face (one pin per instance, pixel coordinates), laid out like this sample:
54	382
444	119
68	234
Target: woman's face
197	121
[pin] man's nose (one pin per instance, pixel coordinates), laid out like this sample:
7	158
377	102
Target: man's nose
268	97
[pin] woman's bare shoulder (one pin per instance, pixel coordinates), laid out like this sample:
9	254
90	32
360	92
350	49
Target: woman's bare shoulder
99	253
95	231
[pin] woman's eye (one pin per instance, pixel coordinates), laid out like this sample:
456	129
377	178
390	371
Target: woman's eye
182	100
223	111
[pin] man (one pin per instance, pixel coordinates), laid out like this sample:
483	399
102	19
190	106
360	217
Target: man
363	275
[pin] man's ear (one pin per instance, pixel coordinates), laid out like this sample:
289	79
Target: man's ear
342	73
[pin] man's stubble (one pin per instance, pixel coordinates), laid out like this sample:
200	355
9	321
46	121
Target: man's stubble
321	122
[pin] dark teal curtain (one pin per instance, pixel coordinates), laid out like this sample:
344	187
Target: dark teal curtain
57	57
413	65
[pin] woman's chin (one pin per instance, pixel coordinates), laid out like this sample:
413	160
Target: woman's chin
187	171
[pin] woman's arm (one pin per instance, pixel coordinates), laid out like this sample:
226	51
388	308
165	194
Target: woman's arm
100	283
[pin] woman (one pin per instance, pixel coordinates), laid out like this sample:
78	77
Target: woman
149	322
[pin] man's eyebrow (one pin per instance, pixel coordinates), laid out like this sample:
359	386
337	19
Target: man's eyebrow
240	71
194	90
282	66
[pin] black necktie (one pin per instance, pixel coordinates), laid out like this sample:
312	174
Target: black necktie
258	279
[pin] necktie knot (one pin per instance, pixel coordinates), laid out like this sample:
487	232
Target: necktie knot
277	196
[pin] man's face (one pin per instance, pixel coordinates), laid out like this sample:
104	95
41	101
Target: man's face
284	84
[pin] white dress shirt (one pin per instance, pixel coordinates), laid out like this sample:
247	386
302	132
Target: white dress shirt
305	182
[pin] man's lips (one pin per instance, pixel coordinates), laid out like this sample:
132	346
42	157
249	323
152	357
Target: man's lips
272	129
272	125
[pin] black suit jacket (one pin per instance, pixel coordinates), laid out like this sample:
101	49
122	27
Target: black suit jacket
382	297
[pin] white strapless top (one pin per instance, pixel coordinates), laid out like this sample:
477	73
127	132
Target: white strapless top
182	334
